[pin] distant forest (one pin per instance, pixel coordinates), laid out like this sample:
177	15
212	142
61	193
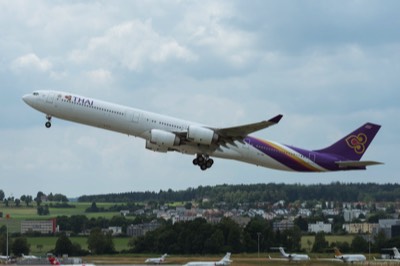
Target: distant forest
234	194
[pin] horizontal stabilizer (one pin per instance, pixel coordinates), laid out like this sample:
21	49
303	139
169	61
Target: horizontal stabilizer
344	164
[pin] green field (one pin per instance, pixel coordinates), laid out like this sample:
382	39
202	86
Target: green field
41	245
17	214
308	240
30	212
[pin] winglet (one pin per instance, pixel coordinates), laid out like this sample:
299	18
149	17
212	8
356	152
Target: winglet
276	119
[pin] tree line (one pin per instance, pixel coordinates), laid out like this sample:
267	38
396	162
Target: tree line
28	199
97	243
200	237
272	192
192	237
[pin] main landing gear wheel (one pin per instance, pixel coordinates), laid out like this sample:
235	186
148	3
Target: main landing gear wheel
48	123
203	162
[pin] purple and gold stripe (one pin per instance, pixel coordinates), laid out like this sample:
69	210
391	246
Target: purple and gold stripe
293	159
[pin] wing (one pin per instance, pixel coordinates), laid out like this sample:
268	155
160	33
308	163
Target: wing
231	134
214	137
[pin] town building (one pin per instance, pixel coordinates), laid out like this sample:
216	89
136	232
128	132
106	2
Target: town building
283	225
320	227
391	227
114	230
41	226
141	229
360	228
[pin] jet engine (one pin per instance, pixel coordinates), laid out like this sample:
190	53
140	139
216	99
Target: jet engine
201	135
163	138
155	147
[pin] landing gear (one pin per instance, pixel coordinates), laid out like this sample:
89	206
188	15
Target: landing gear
203	161
48	123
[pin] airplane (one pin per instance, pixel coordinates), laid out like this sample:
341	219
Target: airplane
29	257
4	258
164	133
157	260
395	257
348	257
54	261
290	257
226	260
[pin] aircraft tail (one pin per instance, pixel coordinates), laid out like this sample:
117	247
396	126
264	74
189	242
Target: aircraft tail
337	252
353	146
53	260
283	252
396	253
226	260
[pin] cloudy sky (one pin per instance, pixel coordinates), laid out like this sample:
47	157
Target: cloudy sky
327	66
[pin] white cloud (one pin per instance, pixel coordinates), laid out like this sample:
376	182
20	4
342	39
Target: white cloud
133	45
31	61
99	76
327	67
209	29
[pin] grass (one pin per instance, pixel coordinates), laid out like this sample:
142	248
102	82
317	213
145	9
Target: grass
308	240
18	214
238	259
29	212
41	245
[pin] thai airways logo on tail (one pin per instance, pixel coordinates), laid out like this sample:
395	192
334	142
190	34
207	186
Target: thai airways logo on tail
353	146
357	143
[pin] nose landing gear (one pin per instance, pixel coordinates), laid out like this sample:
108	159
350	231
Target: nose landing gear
48	123
203	161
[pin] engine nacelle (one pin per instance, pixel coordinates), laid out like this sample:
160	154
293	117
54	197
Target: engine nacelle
163	138
155	147
201	135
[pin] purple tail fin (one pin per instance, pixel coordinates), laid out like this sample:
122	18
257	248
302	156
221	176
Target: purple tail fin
354	145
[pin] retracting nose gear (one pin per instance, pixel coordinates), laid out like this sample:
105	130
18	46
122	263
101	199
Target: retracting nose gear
203	161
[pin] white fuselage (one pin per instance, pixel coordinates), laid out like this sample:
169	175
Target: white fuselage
164	133
294	257
139	123
351	257
154	261
202	263
209	263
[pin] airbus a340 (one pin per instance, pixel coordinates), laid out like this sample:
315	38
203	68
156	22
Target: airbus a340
164	133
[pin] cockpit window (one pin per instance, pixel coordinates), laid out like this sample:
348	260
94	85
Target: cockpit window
36	93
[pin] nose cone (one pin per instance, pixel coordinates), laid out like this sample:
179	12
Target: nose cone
27	98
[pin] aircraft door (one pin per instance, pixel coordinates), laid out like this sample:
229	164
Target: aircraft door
312	156
134	116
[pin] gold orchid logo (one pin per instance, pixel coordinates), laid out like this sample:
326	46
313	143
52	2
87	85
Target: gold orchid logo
357	143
